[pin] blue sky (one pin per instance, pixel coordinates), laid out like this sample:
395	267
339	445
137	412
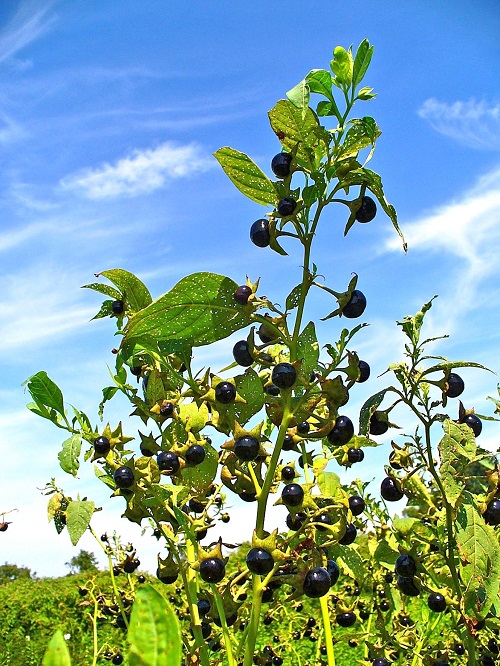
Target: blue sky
109	115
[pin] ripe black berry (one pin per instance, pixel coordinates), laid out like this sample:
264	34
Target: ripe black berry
364	372
341	432
117	659
380	662
475	423
303	428
292	494
167	579
124	477
242	294
280	165
322	520
367	211
284	375
357	505
259	233
405	566
117	307
493	646
287	473
317	583
390	490
101	446
247	496
241	354
377	426
384	605
296	523
203	606
259	561
288	442
492	513
246	448
225	392
436	602
349	535
166	409
455	385
355	306
407	586
195	454
486	660
333	570
168	462
212	570
195	506
459	649
355	455
286	206
345	619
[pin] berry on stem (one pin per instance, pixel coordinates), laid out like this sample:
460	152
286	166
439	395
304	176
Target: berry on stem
259	561
317	583
342	431
292	494
259	233
212	570
356	305
455	385
286	206
242	294
225	393
284	375
246	448
241	354
367	211
390	489
124	477
280	165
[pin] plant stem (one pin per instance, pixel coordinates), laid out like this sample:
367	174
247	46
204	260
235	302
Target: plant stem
325	616
225	632
190	585
254	619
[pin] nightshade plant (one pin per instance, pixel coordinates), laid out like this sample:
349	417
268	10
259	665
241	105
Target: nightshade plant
282	398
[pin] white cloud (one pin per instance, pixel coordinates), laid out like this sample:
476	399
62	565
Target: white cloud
139	173
475	124
29	22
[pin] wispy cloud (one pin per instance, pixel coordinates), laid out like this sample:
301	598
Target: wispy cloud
141	172
30	22
475	124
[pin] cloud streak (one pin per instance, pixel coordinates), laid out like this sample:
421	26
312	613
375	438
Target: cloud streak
139	173
472	123
29	23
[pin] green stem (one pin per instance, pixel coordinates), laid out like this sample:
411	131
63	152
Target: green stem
190	586
425	639
325	616
254	620
225	632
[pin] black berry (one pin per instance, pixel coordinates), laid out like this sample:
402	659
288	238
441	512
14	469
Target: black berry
101	446
367	211
405	566
377	426
455	385
286	206
333	570
355	455
316	583
303	428
117	659
474	422
288	443
246	448
247	496
168	462
355	306
212	570
280	165
341	432
436	602
364	372
292	494
259	233
242	294
390	490
284	375
225	392
287	473
203	606
124	477
195	454
241	354
346	619
259	561
492	513
296	523
349	535
357	505
407	586
117	307
322	520
166	409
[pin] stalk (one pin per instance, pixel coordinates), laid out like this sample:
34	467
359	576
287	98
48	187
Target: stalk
190	585
325	616
225	632
254	620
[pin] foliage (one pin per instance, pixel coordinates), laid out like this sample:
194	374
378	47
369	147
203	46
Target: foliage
10	572
83	562
280	406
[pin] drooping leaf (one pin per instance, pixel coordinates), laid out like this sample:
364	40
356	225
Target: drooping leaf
369	407
136	293
247	176
45	392
479	553
320	81
154	634
299	95
68	456
456	449
328	483
362	61
200	309
299	132
57	653
350	562
450	365
293	298
78	515
105	289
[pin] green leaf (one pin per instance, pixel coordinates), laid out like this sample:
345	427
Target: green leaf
293	298
456	449
57	653
308	350
450	365
193	417
367	410
246	175
68	456
299	132
327	109
361	134
135	292
199	309
328	483
249	387
107	393
350	562
200	477
78	515
154	634
299	95
105	289
479	553
45	392
105	311
320	81
404	525
342	65
361	62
